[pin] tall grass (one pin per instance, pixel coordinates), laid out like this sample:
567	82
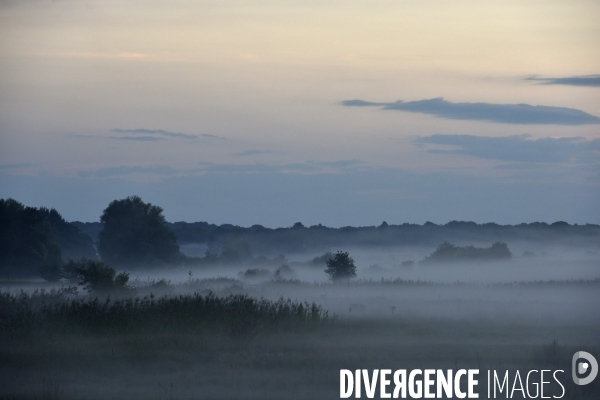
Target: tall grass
42	312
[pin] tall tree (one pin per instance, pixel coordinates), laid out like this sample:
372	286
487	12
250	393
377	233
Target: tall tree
341	267
135	235
73	243
27	243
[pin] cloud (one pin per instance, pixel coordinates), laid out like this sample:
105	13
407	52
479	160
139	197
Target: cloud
579	80
123	170
137	138
298	168
500	113
309	167
362	103
253	152
517	148
159	132
209	136
264	168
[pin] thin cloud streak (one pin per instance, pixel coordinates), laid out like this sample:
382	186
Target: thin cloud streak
517	148
499	113
137	138
210	136
155	132
309	167
579	80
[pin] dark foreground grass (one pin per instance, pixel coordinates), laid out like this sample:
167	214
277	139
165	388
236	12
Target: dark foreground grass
291	364
59	311
76	349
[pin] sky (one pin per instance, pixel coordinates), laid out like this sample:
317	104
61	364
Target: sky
276	112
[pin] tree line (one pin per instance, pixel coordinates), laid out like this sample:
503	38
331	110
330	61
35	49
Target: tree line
299	238
132	234
38	241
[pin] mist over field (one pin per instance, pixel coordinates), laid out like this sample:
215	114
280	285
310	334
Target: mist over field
557	283
215	318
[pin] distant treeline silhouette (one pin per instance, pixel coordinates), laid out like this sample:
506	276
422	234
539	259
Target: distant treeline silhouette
299	238
133	235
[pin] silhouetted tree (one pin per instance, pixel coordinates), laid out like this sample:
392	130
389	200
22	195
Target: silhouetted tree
135	235
33	241
98	277
285	272
341	267
27	243
73	243
444	252
499	250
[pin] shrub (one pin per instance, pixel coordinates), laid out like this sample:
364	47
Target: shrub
341	267
98	277
285	272
255	273
446	252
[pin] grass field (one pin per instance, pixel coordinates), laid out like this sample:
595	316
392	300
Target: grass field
265	352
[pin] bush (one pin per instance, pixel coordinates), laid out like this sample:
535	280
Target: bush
285	272
341	267
68	270
98	277
255	273
447	252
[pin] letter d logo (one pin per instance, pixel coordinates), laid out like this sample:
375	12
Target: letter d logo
583	367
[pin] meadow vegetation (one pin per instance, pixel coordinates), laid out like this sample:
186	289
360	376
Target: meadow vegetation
210	339
276	313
